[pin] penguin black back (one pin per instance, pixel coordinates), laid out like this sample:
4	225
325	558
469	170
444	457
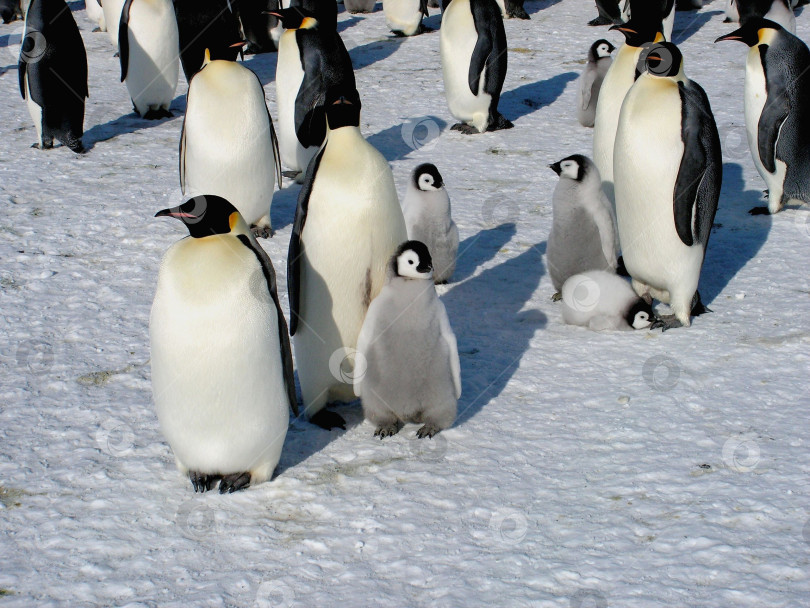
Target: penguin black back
206	24
325	11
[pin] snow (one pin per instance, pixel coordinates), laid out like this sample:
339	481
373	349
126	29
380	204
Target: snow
585	469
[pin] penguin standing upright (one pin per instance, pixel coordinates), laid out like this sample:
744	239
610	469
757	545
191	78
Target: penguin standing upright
359	6
512	9
602	301
473	50
147	46
348	223
404	17
408	351
259	25
663	10
206	24
228	144
668	169
590	81
222	370
609	13
96	14
311	59
777	110
779	11
426	208
53	73
618	80
112	17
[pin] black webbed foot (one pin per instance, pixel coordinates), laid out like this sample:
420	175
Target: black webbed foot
759	211
666	322
202	482
234	482
428	430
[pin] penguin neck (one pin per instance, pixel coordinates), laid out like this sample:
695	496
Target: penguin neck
347	134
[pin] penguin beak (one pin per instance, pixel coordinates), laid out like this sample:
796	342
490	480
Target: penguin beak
424	268
556	167
239	45
623	28
174	213
732	36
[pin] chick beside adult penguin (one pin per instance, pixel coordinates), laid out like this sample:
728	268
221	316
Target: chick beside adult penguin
602	301
407	349
222	371
590	81
426	208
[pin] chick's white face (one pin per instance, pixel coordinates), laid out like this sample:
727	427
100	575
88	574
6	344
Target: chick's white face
641	320
408	266
569	169
603	50
426	182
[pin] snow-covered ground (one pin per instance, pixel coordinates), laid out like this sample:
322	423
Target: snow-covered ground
621	469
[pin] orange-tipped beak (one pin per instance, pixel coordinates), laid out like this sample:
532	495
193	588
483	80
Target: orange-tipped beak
731	36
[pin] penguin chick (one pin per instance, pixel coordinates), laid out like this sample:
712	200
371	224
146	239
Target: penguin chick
408	351
426	208
601	300
590	81
583	234
222	370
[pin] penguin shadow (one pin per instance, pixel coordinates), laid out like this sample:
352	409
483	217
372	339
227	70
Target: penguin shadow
377	50
263	65
342	26
737	237
392	142
492	329
479	248
687	23
535	6
129	123
282	209
527	98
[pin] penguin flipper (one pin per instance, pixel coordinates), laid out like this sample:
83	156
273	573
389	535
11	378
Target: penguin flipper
183	156
480	56
450	339
273	139
588	78
423	8
123	39
489	53
774	113
283	334
22	69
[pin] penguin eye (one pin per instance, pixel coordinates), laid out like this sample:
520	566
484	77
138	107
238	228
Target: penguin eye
410	262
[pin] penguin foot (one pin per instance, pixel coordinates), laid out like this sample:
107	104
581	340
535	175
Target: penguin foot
759	211
556	297
433	4
234	482
517	12
621	269
666	322
290	174
203	482
600	21
462	127
499	122
97	29
117	54
726	20
328	420
428	430
387	430
698	307
424	29
262	232
158	114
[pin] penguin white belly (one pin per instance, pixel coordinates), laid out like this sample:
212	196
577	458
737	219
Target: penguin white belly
112	15
649	152
617	82
457	42
216	367
755	98
96	14
34	110
289	76
359	6
402	16
229	153
782	15
597	300
154	63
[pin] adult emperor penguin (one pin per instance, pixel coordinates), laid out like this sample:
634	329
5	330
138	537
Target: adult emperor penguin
228	144
259	25
583	234
473	51
609	13
777	110
347	225
112	17
53	74
147	46
311	59
657	9
779	11
590	81
602	300
619	78
404	17
668	169
426	208
206	24
512	9
408	351
359	6
96	14
222	370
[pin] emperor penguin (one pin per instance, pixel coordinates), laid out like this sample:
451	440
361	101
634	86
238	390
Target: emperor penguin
359	6
147	47
657	9
52	74
228	143
112	17
206	24
407	349
601	300
11	10
609	13
619	78
668	169
311	59
473	51
777	110
259	25
583	234
426	208
590	81
347	225
96	14
732	12
779	11
513	9
222	370
404	17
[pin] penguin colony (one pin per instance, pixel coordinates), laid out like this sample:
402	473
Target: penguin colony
365	317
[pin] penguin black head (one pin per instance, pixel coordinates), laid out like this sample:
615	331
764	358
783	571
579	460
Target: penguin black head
749	33
295	18
641	29
662	59
205	215
342	107
599	50
412	261
427	177
640	315
573	167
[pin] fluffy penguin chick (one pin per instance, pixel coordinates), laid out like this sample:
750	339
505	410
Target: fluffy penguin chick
590	81
601	300
426	208
583	235
222	371
412	372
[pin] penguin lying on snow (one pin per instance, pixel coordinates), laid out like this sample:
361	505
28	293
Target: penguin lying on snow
601	301
222	371
777	110
590	81
668	171
408	351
